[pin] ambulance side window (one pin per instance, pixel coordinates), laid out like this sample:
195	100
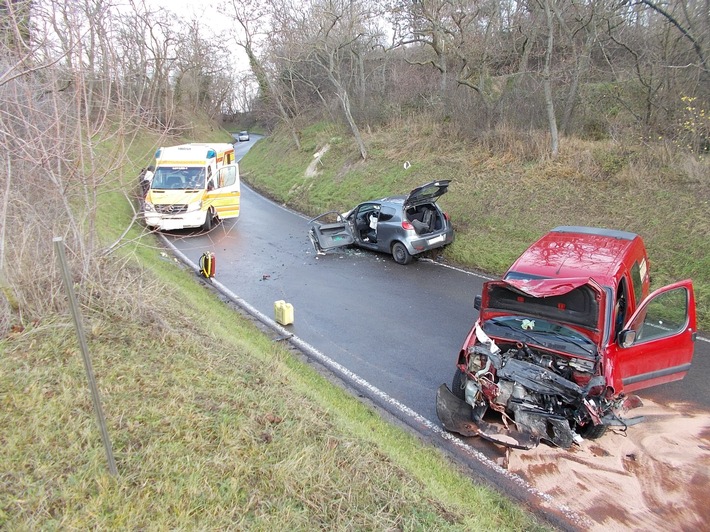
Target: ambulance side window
227	176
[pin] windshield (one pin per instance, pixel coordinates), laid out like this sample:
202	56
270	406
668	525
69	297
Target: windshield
178	178
541	333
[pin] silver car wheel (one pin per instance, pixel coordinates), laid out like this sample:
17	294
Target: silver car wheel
400	253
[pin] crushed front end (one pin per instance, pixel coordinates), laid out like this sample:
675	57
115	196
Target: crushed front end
544	377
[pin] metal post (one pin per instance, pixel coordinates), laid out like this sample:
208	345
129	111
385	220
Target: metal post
59	246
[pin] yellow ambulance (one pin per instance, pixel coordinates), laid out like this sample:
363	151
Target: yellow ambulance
193	185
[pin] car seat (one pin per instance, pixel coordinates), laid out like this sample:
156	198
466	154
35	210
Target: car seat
424	226
428	220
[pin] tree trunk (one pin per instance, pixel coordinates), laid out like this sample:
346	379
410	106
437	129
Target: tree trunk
582	64
549	103
269	89
345	102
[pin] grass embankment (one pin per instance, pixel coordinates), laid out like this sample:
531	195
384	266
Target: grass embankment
505	193
214	424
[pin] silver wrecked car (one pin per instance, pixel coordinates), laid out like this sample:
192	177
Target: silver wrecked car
404	226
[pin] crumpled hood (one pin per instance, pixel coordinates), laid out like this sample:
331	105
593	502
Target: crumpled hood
577	301
547	287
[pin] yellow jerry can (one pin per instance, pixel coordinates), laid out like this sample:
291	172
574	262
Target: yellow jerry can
283	312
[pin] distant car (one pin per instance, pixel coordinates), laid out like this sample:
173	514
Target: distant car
404	226
243	136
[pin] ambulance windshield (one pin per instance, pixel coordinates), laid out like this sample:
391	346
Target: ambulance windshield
178	178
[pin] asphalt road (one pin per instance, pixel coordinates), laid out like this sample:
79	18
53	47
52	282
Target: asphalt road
398	327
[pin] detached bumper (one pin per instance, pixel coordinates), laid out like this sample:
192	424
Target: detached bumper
457	416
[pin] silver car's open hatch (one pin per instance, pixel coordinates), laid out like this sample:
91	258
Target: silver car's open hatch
428	193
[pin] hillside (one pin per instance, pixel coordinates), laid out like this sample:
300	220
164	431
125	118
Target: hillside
505	191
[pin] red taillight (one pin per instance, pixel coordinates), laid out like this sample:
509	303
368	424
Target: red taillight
446	215
407	226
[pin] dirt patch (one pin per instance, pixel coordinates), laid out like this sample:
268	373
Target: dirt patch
653	476
312	169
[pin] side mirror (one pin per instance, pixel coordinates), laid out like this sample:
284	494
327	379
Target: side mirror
477	302
627	338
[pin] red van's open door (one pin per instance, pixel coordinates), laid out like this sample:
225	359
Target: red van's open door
656	345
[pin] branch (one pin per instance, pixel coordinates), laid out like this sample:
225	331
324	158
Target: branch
424	63
696	45
112	247
6	78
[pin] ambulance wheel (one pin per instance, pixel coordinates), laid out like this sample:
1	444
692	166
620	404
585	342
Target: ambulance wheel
207	226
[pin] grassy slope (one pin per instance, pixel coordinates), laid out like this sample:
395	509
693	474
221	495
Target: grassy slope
500	201
213	426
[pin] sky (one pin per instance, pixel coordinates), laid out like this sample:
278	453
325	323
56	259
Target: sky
203	9
215	20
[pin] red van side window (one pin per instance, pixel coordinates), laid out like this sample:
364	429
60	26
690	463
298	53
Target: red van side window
637	281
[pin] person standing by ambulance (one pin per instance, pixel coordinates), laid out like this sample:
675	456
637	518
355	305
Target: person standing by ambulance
146	178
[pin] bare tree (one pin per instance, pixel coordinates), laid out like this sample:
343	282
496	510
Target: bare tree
252	17
71	104
547	85
323	49
342	32
425	23
339	28
700	44
578	25
147	44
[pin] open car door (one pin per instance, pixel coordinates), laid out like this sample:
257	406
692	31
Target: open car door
226	195
327	235
656	345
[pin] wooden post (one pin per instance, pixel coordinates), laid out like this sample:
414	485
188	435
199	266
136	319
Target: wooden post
59	246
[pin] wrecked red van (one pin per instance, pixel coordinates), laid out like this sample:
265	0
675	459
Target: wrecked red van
564	337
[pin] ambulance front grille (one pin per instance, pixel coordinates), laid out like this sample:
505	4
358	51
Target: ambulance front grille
171	209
